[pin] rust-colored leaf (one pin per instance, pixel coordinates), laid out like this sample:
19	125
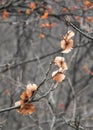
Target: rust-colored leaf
60	62
42	35
69	35
26	108
58	76
30	88
89	19
67	42
45	15
28	12
66	45
32	5
42	25
77	17
19	103
47	25
24	96
87	3
5	14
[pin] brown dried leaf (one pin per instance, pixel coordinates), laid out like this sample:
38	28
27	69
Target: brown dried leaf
60	62
58	76
5	14
31	87
32	5
45	16
26	109
69	35
66	45
24	96
19	103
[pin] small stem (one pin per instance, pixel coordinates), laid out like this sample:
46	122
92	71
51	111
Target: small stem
67	19
9	109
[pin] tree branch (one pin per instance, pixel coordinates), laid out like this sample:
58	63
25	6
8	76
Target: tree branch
67	19
9	66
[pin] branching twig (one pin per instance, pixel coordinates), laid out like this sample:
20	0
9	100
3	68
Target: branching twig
9	66
32	98
50	89
67	19
6	4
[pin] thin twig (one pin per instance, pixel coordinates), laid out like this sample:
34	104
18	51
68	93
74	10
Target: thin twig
50	89
9	109
67	19
32	98
27	61
74	100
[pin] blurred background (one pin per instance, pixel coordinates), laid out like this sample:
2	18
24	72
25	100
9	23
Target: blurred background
30	37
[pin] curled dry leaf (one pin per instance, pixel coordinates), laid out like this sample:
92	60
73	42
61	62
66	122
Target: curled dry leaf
29	90
5	14
42	35
34	87
45	15
60	62
25	109
47	25
77	17
28	11
18	103
66	45
32	5
67	42
87	3
89	19
58	76
24	96
31	87
69	34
